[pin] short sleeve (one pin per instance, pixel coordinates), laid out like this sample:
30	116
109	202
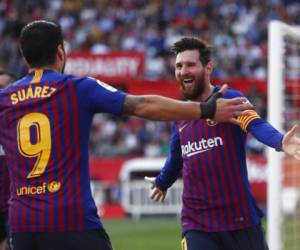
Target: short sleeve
100	97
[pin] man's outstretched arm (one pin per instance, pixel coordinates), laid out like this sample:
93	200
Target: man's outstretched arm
156	107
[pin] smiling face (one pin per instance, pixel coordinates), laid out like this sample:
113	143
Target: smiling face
190	73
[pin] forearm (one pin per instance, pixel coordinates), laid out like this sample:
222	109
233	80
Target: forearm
266	133
156	107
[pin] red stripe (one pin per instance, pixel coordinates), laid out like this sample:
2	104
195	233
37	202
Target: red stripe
21	163
3	168
46	225
241	187
40	203
214	176
77	156
219	167
13	209
69	155
231	177
187	130
60	168
206	181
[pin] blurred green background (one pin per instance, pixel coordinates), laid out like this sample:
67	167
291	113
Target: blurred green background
144	234
161	233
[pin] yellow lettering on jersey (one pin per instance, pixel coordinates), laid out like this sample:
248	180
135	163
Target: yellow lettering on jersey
37	92
21	95
45	91
52	90
14	98
31	93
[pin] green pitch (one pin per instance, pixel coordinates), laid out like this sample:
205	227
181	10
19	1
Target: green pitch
145	234
165	234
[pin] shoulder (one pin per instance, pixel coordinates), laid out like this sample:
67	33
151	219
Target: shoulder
90	82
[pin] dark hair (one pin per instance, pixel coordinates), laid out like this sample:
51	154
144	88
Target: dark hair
39	41
8	73
192	43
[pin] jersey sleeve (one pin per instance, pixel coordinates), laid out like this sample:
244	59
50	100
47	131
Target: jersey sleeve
100	97
173	164
266	133
259	128
244	119
247	119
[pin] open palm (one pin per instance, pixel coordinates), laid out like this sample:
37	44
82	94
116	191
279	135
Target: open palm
291	143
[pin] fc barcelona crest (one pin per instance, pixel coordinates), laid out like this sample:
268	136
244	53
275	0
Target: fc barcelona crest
211	122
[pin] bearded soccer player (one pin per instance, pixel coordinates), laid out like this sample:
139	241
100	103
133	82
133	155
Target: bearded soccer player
46	118
6	77
219	211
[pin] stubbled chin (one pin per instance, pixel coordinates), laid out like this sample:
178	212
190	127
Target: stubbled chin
188	87
187	92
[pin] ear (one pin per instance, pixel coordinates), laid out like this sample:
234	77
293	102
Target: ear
60	52
209	68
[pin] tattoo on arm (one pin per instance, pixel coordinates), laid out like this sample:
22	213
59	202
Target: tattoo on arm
130	104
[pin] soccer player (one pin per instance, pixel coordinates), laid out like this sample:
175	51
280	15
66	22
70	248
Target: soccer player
45	121
219	211
6	77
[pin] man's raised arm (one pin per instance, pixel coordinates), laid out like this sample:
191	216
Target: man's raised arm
156	107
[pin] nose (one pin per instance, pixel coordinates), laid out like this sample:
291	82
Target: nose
184	70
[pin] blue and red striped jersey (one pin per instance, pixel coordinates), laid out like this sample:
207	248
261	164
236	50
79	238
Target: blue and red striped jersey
217	194
46	118
4	182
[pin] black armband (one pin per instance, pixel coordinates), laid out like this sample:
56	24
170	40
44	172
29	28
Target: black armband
209	108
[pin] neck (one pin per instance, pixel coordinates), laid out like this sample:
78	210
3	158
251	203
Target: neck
47	67
206	93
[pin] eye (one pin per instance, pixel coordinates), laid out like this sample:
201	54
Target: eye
178	66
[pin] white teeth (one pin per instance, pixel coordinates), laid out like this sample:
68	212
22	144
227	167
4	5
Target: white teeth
187	80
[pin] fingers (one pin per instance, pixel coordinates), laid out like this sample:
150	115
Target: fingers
242	103
290	133
223	89
235	121
157	195
241	113
297	154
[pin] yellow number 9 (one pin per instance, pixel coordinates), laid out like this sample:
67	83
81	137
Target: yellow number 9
42	148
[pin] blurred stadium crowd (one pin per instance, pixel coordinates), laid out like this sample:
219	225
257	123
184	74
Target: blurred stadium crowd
237	30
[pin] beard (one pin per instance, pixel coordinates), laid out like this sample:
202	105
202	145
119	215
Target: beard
192	93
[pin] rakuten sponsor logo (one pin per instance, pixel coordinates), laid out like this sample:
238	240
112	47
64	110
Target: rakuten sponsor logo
197	147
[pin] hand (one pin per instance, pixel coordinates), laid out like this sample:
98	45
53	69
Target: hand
291	143
156	193
229	109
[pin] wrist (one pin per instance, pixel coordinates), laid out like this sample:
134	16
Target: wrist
209	108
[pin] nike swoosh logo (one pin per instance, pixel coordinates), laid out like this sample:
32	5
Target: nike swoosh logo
197	152
180	129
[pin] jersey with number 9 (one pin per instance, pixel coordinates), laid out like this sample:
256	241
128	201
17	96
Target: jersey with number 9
45	121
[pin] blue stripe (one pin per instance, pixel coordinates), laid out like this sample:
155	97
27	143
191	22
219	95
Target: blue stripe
227	178
13	166
63	149
201	185
73	149
52	161
217	170
34	181
233	153
254	217
187	179
209	176
193	168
